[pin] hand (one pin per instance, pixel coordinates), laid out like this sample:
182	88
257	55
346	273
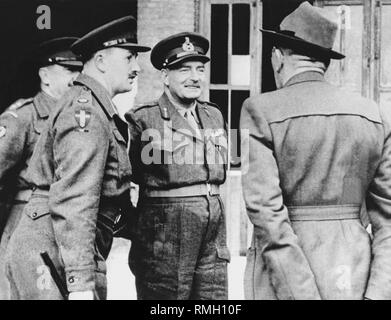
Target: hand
81	295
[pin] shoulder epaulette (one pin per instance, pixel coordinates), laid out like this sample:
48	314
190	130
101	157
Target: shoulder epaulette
209	104
138	107
19	103
84	97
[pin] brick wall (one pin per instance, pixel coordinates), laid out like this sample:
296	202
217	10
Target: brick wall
156	20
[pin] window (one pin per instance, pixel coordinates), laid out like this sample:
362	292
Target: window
235	73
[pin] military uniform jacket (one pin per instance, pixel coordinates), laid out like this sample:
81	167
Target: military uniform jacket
167	153
314	151
20	128
82	161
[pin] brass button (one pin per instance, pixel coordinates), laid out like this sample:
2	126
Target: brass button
71	280
34	215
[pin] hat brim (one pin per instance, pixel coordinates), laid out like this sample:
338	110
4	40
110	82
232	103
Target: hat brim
301	45
191	57
134	47
71	64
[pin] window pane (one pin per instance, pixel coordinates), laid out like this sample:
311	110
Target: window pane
219	44
241	29
220	97
240	70
238	98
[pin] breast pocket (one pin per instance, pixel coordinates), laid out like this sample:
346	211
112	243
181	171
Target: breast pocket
218	150
124	167
36	210
168	152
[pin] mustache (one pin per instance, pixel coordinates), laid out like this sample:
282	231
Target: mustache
133	75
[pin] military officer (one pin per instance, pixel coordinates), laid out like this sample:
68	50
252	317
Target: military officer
313	153
20	127
80	173
178	148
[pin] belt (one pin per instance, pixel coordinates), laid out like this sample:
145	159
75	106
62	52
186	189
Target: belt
188	191
319	213
23	195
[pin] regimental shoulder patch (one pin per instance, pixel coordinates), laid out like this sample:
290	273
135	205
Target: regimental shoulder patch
3	131
83	117
82	100
209	104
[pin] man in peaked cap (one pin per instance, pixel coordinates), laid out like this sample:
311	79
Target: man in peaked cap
314	152
80	174
178	150
20	127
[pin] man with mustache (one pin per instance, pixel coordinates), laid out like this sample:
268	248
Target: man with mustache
178	149
314	153
80	173
20	127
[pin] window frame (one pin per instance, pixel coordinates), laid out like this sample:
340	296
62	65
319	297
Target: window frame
255	52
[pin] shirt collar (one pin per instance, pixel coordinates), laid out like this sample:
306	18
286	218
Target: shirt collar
182	110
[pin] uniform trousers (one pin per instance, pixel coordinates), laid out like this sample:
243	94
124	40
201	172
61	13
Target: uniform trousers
179	249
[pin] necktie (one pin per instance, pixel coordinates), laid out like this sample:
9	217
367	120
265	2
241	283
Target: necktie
189	116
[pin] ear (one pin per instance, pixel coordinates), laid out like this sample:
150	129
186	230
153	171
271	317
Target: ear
164	77
279	60
100	61
44	75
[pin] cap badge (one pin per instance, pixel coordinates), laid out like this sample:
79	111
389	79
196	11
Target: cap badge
187	45
115	42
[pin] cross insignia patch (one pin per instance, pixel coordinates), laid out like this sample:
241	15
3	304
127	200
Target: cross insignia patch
82	118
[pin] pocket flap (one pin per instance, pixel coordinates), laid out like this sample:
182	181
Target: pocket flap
223	253
37	211
162	145
181	144
221	141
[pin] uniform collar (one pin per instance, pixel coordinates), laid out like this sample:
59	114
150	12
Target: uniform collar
100	93
308	76
182	110
176	121
44	103
179	123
